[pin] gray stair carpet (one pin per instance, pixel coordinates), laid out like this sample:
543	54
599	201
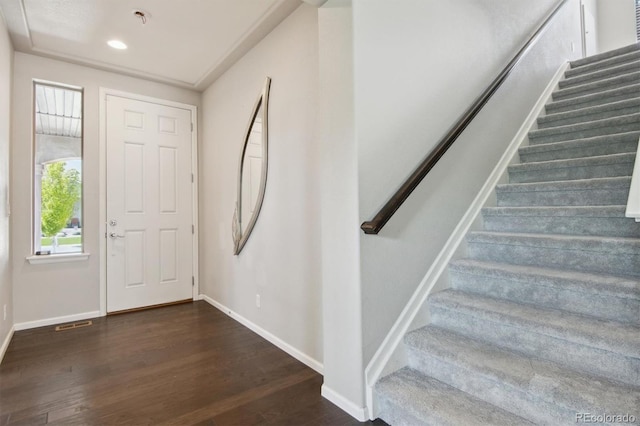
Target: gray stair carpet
541	324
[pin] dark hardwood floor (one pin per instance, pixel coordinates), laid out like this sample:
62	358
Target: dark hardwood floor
180	365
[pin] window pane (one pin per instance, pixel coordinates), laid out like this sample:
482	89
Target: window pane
57	170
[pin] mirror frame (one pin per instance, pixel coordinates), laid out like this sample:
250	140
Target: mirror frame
240	238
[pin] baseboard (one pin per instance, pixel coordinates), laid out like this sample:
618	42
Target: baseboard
5	344
56	320
395	336
358	413
302	357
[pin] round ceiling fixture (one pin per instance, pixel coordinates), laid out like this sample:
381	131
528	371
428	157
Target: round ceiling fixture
117	44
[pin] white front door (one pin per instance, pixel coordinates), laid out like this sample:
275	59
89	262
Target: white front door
149	204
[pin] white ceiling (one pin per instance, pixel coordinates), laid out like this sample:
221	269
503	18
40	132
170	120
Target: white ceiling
187	43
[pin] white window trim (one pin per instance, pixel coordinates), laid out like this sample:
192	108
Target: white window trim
54	257
57	258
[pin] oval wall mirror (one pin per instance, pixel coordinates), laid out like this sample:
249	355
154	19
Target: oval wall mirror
252	171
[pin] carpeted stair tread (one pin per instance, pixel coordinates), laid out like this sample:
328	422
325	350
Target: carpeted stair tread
620	124
609	285
594	146
540	390
611	336
619	93
596	295
605	183
409	397
599	112
576	252
614	70
605	55
575	220
596	86
605	63
586	192
576	162
575	168
558	212
620	245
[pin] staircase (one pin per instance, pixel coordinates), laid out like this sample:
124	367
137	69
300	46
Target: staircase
541	324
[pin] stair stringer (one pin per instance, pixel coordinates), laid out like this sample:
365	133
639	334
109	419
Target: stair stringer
391	355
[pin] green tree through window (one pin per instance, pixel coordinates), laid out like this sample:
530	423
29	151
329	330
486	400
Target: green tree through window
60	192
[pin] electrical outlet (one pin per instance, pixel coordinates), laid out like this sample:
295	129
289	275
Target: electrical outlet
257	300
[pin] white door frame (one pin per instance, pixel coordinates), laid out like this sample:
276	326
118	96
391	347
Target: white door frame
583	27
103	185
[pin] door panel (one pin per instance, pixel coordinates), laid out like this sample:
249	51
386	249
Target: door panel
149	204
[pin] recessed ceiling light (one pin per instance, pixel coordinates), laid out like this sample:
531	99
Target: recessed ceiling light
117	44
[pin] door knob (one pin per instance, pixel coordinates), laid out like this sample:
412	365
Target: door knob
114	235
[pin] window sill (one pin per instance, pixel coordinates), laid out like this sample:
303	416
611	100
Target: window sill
58	258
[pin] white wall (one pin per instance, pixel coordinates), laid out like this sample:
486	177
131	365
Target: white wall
281	260
342	317
6	290
616	24
56	290
418	65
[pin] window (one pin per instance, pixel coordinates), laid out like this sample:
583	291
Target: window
57	169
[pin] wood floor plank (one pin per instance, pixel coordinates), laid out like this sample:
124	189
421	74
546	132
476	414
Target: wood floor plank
176	365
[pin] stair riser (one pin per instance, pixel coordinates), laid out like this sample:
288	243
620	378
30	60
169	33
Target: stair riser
550	121
408	397
571	173
538	344
548	296
585	131
395	415
565	225
597	87
618	60
596	197
604	73
621	94
603	57
580	152
507	397
580	258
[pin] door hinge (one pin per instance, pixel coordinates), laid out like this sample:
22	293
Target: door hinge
192	127
191	177
193	229
193	281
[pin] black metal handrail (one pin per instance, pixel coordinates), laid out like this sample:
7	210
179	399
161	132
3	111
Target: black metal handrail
386	212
